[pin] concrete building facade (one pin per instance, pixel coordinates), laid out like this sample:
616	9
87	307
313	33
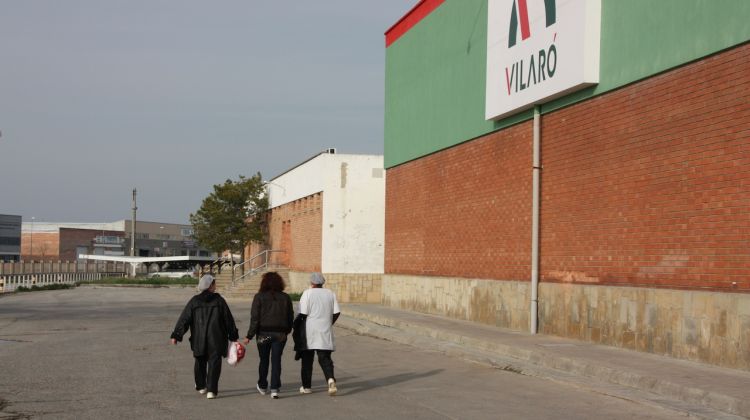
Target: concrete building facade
644	186
327	215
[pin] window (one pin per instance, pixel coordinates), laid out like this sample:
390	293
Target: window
186	232
5	240
113	240
81	250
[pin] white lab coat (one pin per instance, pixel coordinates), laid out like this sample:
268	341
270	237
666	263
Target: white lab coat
319	305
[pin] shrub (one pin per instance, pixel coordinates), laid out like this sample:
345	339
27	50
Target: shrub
54	286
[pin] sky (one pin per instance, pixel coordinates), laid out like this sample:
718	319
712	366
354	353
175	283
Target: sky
171	97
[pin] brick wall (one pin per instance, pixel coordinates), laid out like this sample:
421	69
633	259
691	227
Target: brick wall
46	246
650	185
71	238
296	228
464	211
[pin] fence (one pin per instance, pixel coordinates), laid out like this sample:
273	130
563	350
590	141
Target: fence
55	267
10	282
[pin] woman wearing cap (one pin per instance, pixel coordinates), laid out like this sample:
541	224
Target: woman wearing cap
211	326
271	319
319	310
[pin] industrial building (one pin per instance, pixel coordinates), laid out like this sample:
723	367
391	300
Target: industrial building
575	168
10	238
66	241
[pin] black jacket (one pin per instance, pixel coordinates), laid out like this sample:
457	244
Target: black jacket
271	312
299	335
210	322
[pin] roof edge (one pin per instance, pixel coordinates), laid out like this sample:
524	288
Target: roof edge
410	19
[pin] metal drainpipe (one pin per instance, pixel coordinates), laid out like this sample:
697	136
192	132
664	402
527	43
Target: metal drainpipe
536	168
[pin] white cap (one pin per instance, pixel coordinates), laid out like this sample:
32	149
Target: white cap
317	278
205	282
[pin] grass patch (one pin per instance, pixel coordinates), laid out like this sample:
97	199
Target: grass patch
157	281
36	288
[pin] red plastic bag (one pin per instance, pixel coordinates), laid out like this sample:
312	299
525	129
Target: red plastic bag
236	353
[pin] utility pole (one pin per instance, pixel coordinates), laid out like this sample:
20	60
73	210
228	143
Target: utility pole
31	245
132	227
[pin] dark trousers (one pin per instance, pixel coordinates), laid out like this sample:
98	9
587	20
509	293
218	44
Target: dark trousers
207	370
326	363
270	346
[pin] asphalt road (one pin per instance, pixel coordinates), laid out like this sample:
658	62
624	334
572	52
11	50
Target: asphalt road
93	353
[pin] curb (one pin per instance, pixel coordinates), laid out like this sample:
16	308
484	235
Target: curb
538	363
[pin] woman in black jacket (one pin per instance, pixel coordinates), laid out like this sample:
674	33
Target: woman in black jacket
271	319
211	326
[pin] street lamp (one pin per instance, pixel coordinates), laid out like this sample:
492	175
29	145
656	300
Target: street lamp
31	242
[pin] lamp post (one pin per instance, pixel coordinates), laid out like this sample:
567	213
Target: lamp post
31	242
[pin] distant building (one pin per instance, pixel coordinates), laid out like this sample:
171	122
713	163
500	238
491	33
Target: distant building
66	241
10	237
154	239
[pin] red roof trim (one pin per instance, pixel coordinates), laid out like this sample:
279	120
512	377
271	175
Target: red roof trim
416	14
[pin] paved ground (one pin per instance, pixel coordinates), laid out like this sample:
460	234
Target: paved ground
104	353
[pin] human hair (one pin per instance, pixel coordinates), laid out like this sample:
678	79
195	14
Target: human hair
271	282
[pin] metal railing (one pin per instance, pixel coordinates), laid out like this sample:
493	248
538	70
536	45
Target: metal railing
265	255
219	263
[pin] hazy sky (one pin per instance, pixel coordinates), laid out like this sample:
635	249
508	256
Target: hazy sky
98	97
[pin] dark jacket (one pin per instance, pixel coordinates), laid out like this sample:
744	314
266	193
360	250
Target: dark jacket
210	322
299	335
271	312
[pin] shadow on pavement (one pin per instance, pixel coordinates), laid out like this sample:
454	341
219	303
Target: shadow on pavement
346	388
351	388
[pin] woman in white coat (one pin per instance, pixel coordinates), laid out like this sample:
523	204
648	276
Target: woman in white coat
321	310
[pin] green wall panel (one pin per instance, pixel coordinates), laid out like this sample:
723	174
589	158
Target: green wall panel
435	73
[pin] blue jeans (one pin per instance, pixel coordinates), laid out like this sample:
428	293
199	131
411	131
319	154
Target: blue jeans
270	346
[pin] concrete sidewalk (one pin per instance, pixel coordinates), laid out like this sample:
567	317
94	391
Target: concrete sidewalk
693	388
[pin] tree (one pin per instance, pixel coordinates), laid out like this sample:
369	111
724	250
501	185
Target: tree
232	215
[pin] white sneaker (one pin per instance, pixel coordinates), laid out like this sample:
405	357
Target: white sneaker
210	395
303	390
261	390
275	395
202	391
332	387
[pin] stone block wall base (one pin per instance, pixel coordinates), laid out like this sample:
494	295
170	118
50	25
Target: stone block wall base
709	327
500	303
349	287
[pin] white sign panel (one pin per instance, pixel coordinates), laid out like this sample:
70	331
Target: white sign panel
538	50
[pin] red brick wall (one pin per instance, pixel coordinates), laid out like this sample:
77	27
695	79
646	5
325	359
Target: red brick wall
647	185
296	228
45	246
650	184
463	212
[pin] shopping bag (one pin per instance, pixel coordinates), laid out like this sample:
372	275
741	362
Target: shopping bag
236	353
